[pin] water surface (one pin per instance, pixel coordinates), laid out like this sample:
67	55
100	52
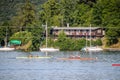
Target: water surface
54	69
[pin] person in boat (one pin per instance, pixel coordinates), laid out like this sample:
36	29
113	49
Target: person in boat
30	56
71	57
77	57
74	57
37	56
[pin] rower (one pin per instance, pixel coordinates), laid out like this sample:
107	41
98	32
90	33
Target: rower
78	57
30	56
37	56
72	57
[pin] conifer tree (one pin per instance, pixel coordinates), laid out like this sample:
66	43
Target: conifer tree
25	16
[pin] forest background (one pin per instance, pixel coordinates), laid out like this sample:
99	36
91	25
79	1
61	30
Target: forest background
23	20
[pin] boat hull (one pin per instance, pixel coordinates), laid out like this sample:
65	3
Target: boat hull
48	49
39	57
7	49
92	49
82	59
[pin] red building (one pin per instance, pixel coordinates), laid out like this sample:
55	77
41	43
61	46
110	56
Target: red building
79	32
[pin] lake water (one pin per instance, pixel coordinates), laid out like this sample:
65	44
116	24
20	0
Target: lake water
54	69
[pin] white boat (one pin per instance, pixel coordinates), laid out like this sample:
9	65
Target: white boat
48	49
91	48
7	49
37	57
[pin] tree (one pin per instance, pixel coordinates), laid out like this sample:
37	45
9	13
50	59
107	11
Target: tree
5	32
97	13
23	36
26	39
76	13
61	36
61	39
50	12
2	35
79	15
86	15
112	35
38	36
25	16
68	8
106	13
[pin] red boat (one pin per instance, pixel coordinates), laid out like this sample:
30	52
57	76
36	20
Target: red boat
78	58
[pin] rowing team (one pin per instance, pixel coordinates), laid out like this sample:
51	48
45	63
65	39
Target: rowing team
31	56
74	57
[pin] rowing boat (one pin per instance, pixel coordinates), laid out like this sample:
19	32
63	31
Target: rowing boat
39	57
83	59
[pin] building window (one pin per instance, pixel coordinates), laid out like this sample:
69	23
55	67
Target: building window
99	31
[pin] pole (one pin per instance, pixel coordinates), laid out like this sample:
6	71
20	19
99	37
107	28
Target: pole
46	34
86	38
90	35
6	38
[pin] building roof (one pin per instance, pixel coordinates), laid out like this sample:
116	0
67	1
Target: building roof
74	28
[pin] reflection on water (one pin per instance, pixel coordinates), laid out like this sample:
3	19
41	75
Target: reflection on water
54	69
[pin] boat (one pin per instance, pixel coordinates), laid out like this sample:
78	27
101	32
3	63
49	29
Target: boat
82	59
34	57
91	48
46	49
116	65
6	48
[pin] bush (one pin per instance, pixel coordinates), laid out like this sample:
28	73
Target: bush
23	36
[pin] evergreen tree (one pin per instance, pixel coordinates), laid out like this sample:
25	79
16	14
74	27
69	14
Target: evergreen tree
108	14
51	13
84	15
38	36
25	16
68	8
26	20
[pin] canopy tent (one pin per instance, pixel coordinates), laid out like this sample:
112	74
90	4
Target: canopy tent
17	42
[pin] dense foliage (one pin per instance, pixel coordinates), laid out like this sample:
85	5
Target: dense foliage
23	36
29	15
65	43
107	14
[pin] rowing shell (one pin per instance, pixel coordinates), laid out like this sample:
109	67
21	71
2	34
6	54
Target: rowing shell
33	57
83	59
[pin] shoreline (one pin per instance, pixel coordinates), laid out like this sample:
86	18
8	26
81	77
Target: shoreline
111	49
